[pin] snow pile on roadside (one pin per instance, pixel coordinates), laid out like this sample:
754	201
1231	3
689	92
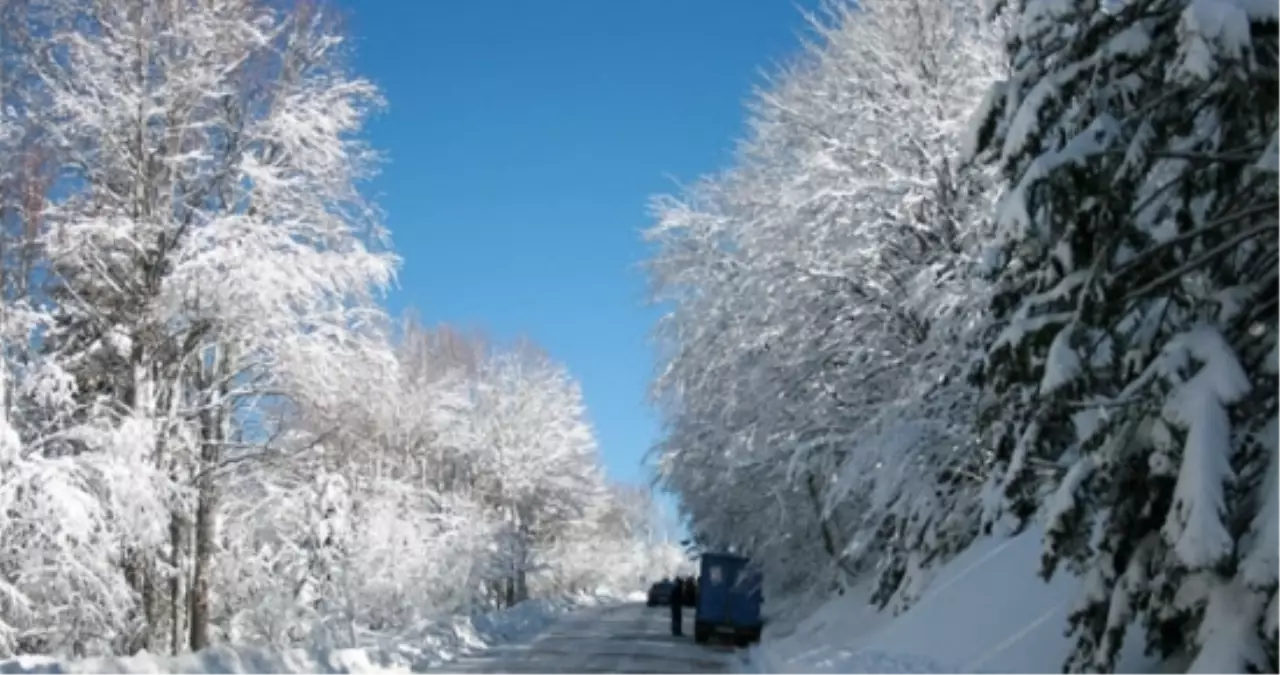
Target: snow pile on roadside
986	611
220	659
521	622
433	644
420	648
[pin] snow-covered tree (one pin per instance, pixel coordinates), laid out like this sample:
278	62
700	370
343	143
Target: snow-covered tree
1133	385
211	240
825	297
209	429
616	549
532	455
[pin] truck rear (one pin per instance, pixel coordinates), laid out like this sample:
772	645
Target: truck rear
729	600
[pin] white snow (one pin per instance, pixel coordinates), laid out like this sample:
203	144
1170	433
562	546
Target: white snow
429	646
1260	564
1063	365
986	611
1211	31
1228	634
1195	526
218	660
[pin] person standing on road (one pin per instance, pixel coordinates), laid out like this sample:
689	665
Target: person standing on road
677	607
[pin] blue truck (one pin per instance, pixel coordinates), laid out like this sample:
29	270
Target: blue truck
729	600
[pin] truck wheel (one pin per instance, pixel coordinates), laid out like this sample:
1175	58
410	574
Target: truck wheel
701	633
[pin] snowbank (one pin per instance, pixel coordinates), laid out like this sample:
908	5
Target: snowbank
221	659
986	611
420	648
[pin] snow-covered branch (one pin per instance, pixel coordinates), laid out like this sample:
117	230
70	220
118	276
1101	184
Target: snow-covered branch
826	295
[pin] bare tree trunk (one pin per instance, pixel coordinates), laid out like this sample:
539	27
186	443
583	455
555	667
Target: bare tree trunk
213	435
139	568
522	575
175	582
203	559
150	605
137	574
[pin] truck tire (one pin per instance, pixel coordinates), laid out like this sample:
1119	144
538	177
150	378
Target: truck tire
701	632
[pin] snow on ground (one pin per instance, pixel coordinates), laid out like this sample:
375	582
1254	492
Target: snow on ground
986	611
420	648
621	638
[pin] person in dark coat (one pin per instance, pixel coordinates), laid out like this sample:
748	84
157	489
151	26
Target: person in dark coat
677	605
691	592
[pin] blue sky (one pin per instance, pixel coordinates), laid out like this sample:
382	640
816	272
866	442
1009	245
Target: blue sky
525	137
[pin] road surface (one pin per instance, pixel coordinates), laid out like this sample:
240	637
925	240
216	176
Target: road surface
628	638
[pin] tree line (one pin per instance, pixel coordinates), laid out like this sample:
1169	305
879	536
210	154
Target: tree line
210	429
974	270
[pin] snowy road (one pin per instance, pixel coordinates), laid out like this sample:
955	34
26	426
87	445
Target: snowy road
628	638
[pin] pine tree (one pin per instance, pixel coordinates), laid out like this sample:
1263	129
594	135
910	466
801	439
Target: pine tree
1134	378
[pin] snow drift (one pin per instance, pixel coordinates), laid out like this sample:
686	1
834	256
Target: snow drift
986	611
418	649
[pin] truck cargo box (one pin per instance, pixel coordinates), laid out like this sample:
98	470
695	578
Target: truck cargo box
729	600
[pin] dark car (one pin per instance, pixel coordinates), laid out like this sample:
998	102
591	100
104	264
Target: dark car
660	593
